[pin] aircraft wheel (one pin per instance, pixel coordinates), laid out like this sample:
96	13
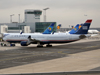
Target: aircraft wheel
39	46
5	45
12	44
48	45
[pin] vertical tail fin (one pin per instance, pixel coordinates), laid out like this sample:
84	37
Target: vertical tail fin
81	29
58	27
72	27
85	27
75	29
49	29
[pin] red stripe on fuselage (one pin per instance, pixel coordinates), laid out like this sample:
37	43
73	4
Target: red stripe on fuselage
59	40
16	40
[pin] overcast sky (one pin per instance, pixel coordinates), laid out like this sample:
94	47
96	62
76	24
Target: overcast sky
65	12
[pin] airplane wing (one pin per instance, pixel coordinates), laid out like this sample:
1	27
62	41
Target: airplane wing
33	40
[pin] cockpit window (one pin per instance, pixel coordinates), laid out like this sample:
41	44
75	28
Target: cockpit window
5	35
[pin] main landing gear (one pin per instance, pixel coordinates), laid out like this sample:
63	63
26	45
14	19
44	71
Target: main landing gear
42	45
12	44
48	45
39	45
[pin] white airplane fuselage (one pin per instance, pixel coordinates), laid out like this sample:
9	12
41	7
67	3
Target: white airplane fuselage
42	38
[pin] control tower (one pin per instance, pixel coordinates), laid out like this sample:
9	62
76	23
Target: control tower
32	16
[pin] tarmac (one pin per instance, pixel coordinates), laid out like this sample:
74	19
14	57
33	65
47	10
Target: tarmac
83	55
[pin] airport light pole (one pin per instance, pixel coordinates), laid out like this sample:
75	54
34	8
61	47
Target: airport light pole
19	21
11	17
19	17
45	14
69	27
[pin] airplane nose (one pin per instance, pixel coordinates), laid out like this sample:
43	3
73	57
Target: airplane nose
4	39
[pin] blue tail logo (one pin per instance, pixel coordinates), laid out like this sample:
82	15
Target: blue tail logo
80	26
58	27
49	29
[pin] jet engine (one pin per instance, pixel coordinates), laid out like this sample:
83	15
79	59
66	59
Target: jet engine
24	43
82	36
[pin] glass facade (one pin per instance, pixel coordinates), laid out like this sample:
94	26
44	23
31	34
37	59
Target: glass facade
36	12
20	27
42	26
13	28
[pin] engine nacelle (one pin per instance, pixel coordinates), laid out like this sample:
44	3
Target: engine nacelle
82	36
24	43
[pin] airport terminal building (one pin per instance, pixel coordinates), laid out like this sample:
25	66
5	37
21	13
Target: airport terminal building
32	24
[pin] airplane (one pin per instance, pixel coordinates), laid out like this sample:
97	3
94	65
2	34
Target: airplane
93	31
47	31
41	39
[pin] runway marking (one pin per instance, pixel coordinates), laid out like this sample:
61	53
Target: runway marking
60	52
